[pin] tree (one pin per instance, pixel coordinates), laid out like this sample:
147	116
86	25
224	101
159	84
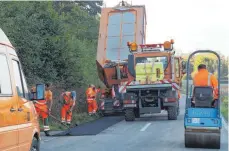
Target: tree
56	41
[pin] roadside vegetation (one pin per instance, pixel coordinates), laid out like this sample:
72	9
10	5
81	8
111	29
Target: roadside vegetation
224	107
56	43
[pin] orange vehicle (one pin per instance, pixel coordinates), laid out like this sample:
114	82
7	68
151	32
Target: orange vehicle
19	127
118	25
154	80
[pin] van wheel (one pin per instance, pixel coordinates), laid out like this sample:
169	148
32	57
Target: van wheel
35	145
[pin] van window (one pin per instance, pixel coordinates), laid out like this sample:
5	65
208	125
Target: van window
5	83
25	86
18	78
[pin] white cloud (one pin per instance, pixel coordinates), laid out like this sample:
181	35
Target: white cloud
193	24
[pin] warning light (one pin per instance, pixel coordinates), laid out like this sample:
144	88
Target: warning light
172	41
167	45
133	46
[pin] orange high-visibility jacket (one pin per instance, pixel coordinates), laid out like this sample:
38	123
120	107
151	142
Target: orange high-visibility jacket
91	93
88	91
68	98
204	78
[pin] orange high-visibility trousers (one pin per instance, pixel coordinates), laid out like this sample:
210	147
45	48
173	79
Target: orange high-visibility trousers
90	105
65	114
42	111
95	106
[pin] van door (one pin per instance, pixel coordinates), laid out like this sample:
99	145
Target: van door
24	108
8	107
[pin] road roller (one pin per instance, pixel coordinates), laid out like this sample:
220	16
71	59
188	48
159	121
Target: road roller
202	119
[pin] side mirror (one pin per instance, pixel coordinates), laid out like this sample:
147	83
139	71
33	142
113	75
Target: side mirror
39	94
40	91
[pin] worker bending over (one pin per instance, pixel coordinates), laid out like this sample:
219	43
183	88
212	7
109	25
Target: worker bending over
69	99
204	78
43	107
91	99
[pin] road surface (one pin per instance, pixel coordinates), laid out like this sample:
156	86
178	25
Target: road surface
150	133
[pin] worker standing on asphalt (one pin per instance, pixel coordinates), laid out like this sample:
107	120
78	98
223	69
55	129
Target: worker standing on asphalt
94	102
204	78
43	107
91	99
69	99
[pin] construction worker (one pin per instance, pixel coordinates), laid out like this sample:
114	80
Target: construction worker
91	99
48	96
69	99
43	108
204	78
94	102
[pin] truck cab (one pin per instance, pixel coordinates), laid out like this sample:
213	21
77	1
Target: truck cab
19	126
155	76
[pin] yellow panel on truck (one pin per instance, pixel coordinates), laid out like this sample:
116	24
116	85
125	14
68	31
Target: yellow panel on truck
149	72
158	71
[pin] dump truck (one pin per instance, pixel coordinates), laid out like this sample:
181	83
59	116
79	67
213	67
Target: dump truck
155	74
118	25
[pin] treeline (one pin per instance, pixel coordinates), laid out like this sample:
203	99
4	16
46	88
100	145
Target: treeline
56	41
211	62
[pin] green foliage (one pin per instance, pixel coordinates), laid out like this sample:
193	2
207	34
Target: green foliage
56	41
224	107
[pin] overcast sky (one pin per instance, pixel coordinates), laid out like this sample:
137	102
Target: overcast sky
193	24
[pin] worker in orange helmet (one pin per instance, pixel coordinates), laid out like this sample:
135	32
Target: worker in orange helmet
69	99
204	78
43	107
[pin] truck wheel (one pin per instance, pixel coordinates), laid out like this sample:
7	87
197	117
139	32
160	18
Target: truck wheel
129	115
35	145
172	113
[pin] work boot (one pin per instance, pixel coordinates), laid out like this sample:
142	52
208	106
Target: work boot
46	133
68	123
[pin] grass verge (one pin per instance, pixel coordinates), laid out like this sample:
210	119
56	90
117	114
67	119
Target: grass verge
224	108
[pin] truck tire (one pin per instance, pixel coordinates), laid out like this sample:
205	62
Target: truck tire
35	146
129	115
172	113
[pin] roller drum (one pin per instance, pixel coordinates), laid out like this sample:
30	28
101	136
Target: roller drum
209	139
